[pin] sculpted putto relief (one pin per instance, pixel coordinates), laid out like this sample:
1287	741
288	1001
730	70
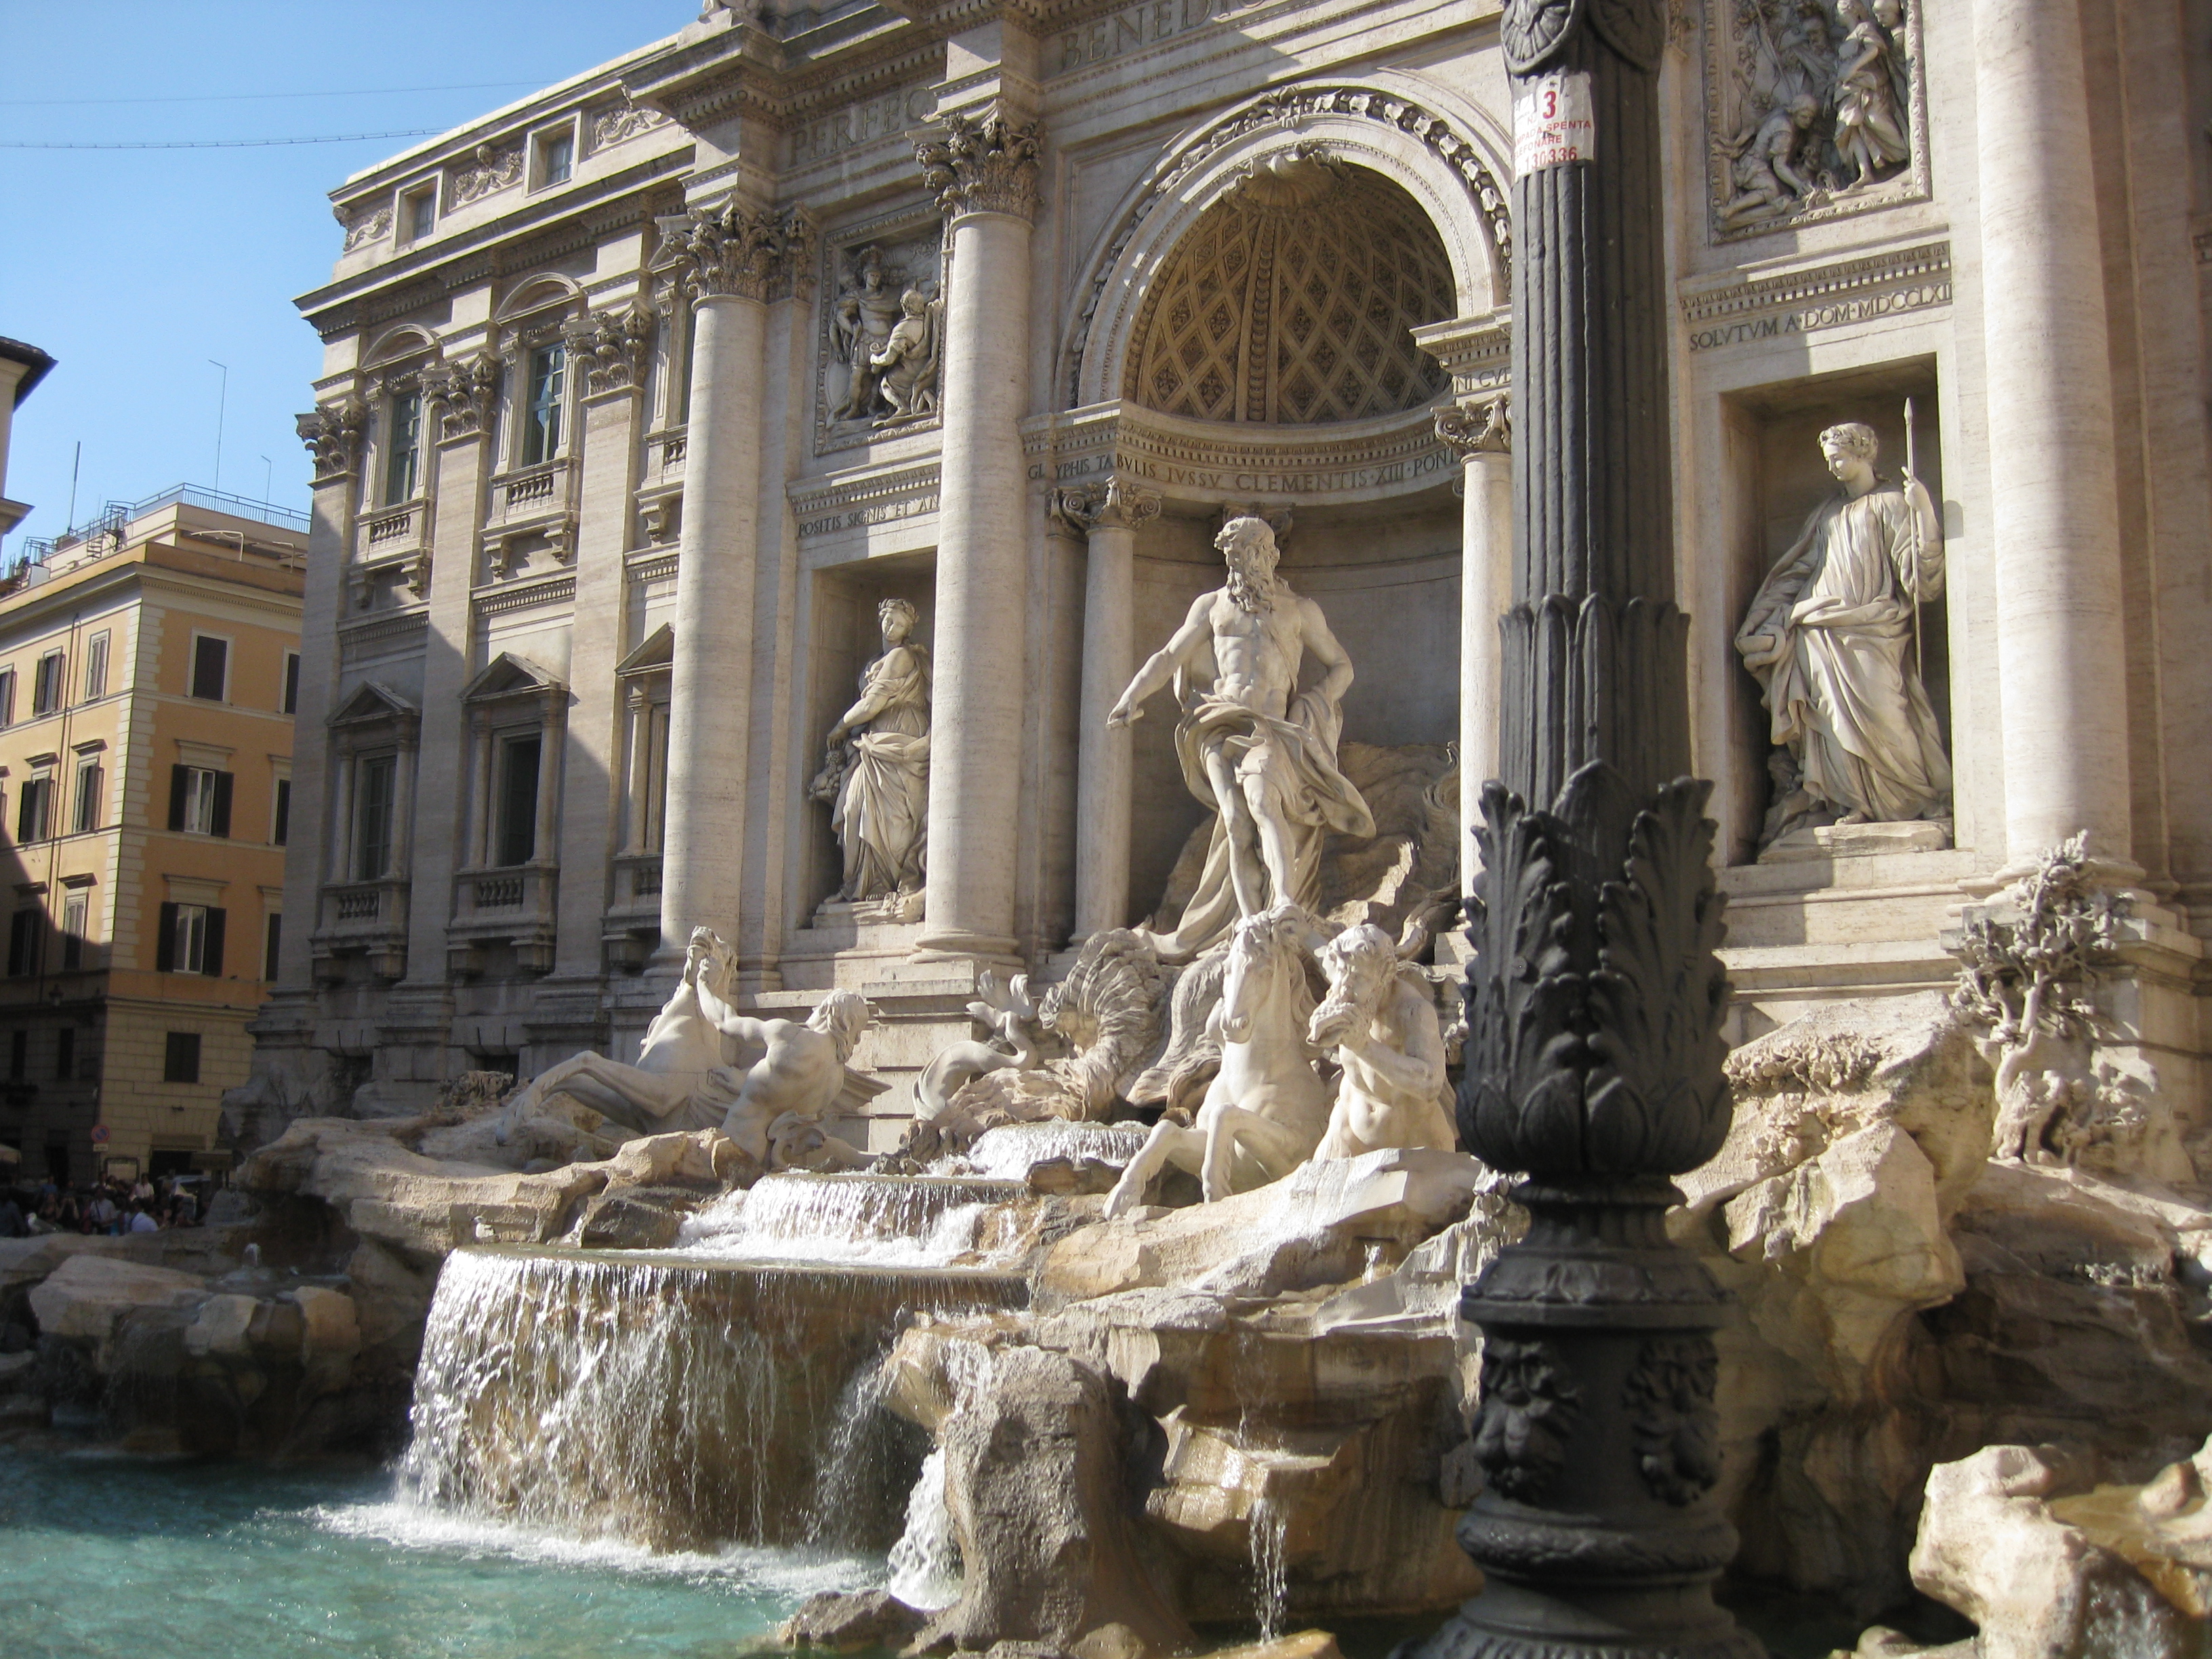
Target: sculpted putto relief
1812	110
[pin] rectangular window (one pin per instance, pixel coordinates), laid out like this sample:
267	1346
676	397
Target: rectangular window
211	668
517	831
190	940
89	776
422	214
76	923
65	1053
375	782
26	934
19	1055
541	417
291	682
180	1058
280	831
95	667
7	697
199	800
272	945
556	157
34	808
47	688
403	447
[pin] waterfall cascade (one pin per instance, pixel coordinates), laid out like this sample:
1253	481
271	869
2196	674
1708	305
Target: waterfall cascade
724	1391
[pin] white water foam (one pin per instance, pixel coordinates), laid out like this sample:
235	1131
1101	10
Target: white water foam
853	1222
1009	1151
750	1567
925	1563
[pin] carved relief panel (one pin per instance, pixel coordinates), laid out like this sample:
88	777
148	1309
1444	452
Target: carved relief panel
1815	109
882	329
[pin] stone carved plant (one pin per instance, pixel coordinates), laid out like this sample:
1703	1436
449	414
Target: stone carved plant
1596	1044
1669	1399
2027	973
1529	1409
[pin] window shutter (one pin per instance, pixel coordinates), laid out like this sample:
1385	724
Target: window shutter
284	811
211	964
221	824
26	799
165	940
177	796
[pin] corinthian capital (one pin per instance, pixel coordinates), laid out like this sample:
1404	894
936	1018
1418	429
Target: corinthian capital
1478	426
333	433
731	250
982	164
1114	505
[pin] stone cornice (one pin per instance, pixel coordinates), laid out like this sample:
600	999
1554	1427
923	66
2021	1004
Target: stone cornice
1213	464
863	496
1477	352
506	246
1735	308
521	596
356	635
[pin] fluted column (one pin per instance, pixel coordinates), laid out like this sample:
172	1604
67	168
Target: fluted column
581	751
1109	515
1480	432
730	260
460	401
2054	502
334	433
984	170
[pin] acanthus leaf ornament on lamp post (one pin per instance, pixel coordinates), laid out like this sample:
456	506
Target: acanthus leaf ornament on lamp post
1595	998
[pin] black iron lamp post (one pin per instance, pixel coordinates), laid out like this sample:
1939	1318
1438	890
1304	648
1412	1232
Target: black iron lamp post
1595	1003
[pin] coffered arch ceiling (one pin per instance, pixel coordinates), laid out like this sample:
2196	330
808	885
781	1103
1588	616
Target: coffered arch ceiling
1290	301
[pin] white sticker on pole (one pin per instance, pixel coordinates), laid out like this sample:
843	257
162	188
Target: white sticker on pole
1552	121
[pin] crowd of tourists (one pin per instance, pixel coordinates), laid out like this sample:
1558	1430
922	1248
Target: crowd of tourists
150	1204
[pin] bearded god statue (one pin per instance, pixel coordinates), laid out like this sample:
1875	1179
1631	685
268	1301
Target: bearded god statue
1254	747
1830	638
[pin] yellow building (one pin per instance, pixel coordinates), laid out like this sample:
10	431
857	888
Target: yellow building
149	666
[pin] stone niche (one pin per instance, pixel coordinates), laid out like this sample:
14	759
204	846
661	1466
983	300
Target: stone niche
1387	574
1775	478
845	636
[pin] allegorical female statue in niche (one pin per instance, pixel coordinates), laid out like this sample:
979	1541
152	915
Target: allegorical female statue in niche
1830	638
876	773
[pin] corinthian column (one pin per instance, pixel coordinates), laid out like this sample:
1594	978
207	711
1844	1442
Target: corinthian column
1109	514
730	260
2054	502
1480	432
984	170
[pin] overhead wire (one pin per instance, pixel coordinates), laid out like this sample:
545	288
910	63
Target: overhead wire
219	143
241	97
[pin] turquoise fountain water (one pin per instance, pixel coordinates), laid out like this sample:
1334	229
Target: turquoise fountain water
110	1558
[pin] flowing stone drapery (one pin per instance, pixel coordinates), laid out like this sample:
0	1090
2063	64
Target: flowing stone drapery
732	260
1109	514
1480	432
2061	649
1594	1002
984	170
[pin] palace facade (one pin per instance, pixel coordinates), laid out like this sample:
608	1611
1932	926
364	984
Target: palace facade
642	396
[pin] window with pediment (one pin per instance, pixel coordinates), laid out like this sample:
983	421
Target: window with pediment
1291	301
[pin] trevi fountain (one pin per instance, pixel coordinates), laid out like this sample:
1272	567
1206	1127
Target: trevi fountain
1141	827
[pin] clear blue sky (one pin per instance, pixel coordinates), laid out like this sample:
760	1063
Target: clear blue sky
133	267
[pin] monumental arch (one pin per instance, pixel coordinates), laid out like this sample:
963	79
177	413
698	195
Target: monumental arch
647	397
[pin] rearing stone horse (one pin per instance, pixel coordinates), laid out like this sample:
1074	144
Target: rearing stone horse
1266	1108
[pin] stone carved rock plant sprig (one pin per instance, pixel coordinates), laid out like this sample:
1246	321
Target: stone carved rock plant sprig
2027	977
